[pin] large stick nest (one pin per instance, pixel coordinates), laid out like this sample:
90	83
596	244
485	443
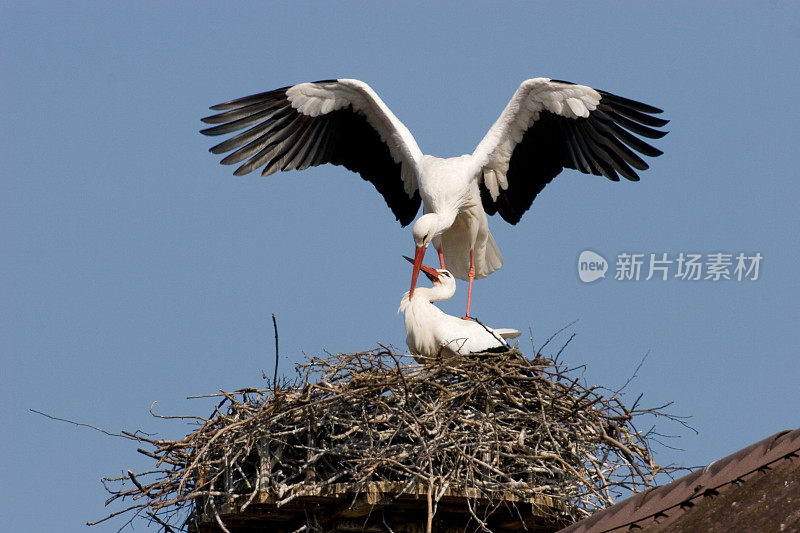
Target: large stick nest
496	427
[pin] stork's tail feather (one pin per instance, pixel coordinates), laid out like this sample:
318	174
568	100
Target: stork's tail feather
492	257
507	333
456	256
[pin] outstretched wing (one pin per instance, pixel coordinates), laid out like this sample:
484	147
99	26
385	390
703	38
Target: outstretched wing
550	125
342	122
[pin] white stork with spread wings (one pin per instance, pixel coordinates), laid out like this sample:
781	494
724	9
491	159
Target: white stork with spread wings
547	126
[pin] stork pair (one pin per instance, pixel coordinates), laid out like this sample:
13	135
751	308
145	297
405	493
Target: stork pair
548	125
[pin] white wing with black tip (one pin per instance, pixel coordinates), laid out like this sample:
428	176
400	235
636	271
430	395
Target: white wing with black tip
550	125
342	122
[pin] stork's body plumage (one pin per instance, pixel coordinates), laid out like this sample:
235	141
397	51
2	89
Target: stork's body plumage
432	333
547	126
451	200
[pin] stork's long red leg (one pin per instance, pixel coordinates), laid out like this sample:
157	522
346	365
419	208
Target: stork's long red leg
471	276
441	258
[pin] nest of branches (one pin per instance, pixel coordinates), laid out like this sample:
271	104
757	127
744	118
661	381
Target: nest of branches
499	428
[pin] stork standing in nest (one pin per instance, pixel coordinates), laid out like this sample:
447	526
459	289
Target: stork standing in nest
432	333
547	126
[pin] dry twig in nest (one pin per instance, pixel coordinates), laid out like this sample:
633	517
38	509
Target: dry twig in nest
496	427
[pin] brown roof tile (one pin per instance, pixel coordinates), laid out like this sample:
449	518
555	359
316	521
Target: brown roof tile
754	487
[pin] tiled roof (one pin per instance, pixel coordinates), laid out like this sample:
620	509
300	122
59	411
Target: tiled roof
754	489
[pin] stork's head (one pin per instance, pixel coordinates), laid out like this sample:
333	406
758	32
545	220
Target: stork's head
425	229
444	284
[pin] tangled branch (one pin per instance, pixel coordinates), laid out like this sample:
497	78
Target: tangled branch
498	428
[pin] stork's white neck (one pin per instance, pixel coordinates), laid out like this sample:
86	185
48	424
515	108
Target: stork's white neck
423	296
420	313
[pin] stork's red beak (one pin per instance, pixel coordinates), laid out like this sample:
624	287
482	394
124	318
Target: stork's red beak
419	255
431	273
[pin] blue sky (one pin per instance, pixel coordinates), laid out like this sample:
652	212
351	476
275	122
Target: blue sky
137	269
